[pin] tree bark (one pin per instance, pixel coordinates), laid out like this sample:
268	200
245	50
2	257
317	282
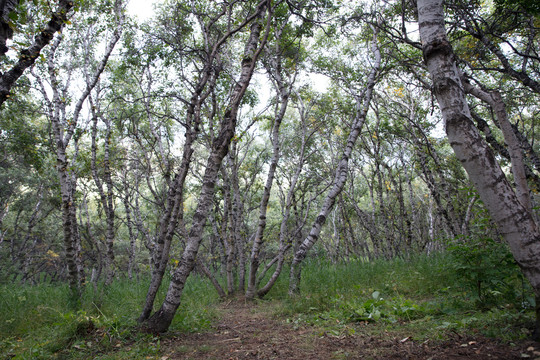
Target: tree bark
161	320
340	174
6	32
129	223
283	94
29	55
515	223
284	242
495	100
64	132
174	207
106	197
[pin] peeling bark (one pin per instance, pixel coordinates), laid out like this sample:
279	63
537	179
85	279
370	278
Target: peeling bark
173	213
160	321
514	221
29	55
283	89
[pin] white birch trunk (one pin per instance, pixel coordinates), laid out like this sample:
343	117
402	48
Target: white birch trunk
284	243
63	132
283	94
515	223
495	100
174	206
340	175
160	321
28	56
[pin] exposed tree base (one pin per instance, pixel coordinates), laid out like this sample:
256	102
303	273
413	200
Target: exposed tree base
157	323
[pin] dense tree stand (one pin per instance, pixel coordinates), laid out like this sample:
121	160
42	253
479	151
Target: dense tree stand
216	145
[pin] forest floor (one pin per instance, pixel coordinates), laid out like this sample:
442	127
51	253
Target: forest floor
247	330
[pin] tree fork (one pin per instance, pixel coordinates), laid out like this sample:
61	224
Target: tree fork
161	320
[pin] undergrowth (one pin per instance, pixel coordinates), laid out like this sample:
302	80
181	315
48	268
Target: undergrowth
40	322
425	297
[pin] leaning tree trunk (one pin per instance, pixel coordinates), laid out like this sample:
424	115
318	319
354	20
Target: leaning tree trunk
340	175
495	100
29	55
173	213
161	320
6	31
515	223
284	236
64	128
106	197
283	93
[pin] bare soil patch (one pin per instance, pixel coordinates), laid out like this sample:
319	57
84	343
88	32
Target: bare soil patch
248	331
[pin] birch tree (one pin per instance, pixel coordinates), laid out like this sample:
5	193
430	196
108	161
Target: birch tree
161	319
66	131
106	195
203	87
283	86
27	56
340	176
514	221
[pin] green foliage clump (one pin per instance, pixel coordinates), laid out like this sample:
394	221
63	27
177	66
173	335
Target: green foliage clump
531	6
488	273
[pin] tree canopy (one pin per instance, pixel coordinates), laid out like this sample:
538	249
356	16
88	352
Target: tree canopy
238	138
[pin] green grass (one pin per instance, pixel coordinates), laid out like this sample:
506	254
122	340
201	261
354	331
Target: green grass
40	322
423	298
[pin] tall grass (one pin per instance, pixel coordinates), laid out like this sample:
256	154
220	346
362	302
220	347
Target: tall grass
423	294
37	322
322	280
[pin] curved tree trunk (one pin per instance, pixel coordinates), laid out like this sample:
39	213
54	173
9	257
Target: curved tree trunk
106	197
161	320
64	133
6	32
515	223
283	93
174	207
29	55
340	175
494	99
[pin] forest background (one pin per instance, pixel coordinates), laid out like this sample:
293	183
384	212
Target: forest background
236	140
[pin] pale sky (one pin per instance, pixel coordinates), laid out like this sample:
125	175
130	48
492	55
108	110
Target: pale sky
141	8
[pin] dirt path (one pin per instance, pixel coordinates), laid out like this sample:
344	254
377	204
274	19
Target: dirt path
247	331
